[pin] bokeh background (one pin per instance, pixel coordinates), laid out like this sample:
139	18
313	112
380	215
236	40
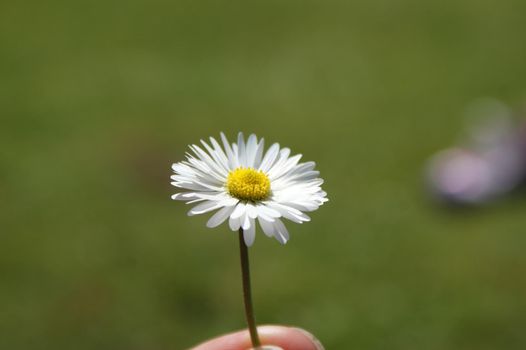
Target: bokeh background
98	98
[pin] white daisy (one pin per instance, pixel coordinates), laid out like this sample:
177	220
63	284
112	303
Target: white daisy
245	185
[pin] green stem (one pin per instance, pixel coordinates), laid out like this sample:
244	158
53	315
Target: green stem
247	295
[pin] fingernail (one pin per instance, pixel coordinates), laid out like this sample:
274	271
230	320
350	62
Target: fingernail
267	347
314	340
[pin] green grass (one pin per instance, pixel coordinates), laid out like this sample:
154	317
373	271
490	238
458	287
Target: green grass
99	98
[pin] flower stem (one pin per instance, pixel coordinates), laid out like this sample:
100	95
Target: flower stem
247	295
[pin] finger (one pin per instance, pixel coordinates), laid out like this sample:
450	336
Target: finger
287	338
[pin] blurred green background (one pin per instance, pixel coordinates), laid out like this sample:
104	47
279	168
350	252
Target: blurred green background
98	98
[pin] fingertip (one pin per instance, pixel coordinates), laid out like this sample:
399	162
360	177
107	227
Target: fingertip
272	338
315	341
289	338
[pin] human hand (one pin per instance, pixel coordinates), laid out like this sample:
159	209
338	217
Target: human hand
272	337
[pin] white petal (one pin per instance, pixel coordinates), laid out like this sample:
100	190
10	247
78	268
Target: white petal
196	175
290	213
228	201
205	172
219	217
183	196
251	150
251	211
215	169
232	159
195	185
267	226
250	234
281	233
282	158
264	209
265	217
220	153
204	208
270	158
245	222
183	169
234	223
241	150
196	196
299	196
221	161
303	205
305	176
239	211
259	153
284	167
302	167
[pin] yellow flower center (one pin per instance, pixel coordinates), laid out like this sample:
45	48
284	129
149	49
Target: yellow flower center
248	184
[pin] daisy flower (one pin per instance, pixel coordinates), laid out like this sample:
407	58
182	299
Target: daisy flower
244	185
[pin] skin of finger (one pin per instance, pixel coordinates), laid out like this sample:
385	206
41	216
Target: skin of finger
285	337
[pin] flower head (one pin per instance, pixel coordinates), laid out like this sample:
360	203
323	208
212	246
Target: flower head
245	184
